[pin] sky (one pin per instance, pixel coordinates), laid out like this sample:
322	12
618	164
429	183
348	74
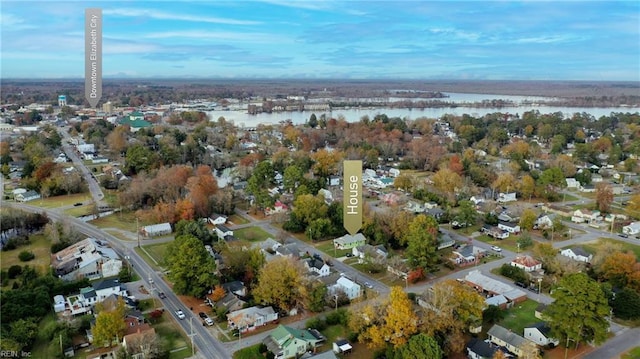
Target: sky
483	40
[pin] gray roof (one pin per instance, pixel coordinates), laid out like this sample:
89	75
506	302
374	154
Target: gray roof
507	336
107	283
482	349
579	251
542	327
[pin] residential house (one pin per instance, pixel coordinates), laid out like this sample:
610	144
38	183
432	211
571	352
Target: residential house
317	266
236	287
217	219
467	255
489	286
544	221
436	213
445	240
577	254
290	250
89	258
509	227
499	301
342	346
133	342
27	196
508	339
373	252
572	183
588	188
278	207
248	319
526	263
479	349
564	211
539	333
584	215
349	241
229	302
632	229
350	288
82	303
223	232
507	197
494	232
160	229
327	195
287	342
324	355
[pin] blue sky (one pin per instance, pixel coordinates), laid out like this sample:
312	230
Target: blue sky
533	40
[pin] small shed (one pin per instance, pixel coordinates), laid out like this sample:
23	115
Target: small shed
58	303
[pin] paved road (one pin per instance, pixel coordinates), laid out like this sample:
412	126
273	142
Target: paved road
612	348
207	345
92	183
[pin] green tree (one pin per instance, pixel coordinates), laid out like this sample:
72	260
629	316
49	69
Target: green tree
292	177
403	182
626	304
258	184
421	239
466	213
420	346
579	312
139	158
197	229
24	331
110	324
191	267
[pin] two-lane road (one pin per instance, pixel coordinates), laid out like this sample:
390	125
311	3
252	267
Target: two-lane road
207	345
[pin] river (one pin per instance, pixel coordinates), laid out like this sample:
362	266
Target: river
240	117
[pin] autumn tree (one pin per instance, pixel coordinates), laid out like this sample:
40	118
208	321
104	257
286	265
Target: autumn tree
191	267
395	324
325	162
505	183
117	139
579	312
279	283
146	345
528	219
110	323
452	309
527	186
421	239
604	196
242	264
622	269
201	187
447	182
403	182
420	346
633	207
218	293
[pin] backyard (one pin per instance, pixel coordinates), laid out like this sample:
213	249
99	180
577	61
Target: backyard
251	234
520	316
39	245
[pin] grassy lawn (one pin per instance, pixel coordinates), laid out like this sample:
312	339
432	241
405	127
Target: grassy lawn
632	354
237	220
40	347
248	353
61	201
79	211
251	234
520	316
157	251
593	247
173	337
122	220
40	246
146	255
334	332
328	248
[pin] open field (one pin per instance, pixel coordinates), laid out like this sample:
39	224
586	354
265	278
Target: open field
237	220
122	220
61	201
632	354
40	246
251	352
251	234
79	211
593	247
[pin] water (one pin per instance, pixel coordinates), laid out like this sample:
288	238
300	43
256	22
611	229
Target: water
240	117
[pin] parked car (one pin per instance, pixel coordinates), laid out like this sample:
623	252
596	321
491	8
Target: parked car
496	248
180	314
623	235
162	295
368	285
208	321
349	255
202	315
520	284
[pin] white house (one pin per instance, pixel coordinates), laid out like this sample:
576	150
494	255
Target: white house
584	215
508	339
159	229
539	334
527	263
88	258
350	288
632	229
223	231
509	227
577	254
507	197
545	220
375	252
27	196
249	319
317	266
217	219
572	183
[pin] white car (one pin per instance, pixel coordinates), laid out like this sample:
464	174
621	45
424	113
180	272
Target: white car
208	321
368	285
496	248
180	314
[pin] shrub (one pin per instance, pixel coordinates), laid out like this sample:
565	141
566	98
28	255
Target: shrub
262	348
339	316
14	271
26	256
316	323
515	273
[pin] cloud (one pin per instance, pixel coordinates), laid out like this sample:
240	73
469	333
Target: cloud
220	35
316	5
10	22
161	15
